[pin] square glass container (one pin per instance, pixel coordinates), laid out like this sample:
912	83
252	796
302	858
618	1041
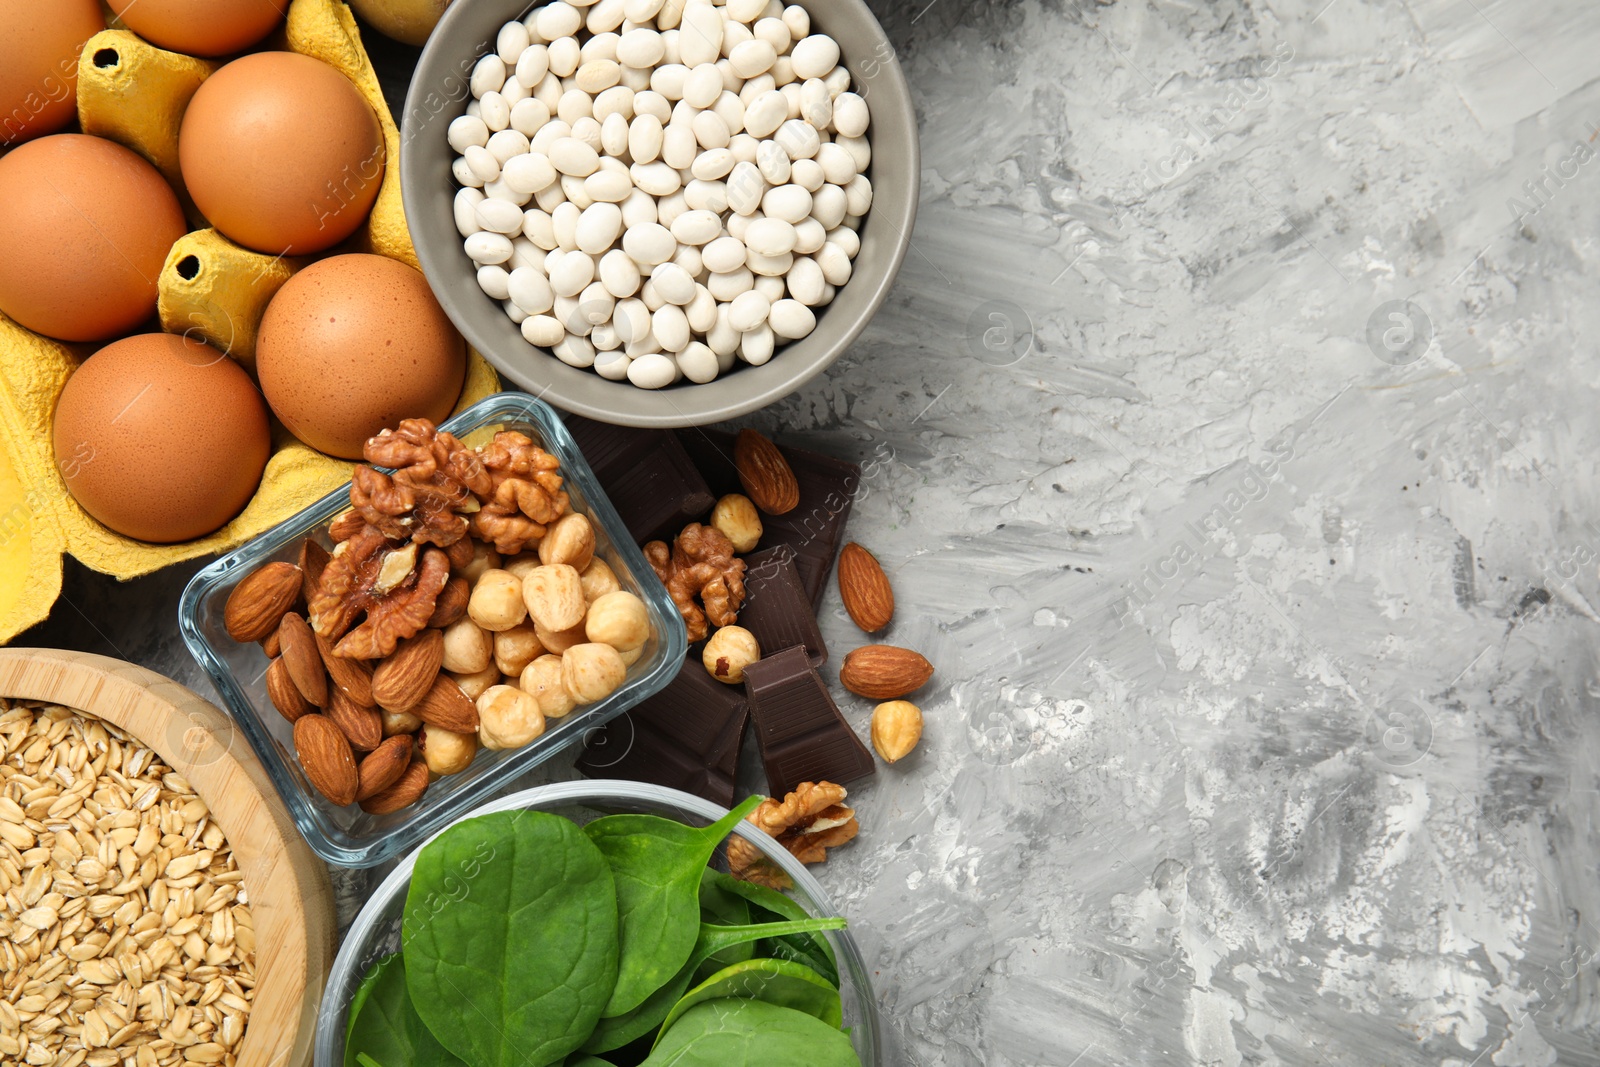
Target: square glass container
347	835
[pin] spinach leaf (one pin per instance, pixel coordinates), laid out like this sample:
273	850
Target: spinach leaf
510	936
385	1029
656	863
583	1060
780	982
617	1031
722	908
751	1033
812	950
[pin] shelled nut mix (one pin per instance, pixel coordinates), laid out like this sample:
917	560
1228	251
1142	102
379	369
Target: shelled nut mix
125	930
462	606
658	190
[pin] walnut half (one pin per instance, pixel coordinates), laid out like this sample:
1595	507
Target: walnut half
701	564
807	822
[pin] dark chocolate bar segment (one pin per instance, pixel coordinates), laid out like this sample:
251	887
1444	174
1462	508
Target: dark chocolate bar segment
815	528
777	610
803	737
649	477
685	737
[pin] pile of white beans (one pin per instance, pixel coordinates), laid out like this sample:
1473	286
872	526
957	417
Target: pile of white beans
659	188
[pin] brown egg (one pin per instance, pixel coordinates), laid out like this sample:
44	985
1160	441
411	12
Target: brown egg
162	438
39	45
353	344
281	153
86	227
201	27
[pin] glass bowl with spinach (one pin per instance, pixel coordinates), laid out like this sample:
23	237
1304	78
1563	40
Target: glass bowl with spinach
590	924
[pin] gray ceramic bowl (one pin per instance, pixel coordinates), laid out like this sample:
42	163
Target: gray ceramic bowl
439	93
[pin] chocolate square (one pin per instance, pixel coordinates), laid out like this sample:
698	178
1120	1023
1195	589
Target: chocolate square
802	735
648	476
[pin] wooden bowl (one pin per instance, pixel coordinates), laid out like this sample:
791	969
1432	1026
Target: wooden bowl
291	901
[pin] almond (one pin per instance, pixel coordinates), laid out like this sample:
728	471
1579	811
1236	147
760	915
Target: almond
326	759
883	672
271	646
302	659
451	605
409	672
864	588
352	677
404	792
313	557
447	707
765	474
284	694
362	727
384	766
260	601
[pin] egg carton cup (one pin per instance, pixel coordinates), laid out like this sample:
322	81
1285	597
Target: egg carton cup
134	93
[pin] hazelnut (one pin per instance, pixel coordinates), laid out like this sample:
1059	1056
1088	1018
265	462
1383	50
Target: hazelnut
738	520
896	729
553	595
630	657
467	648
484	558
558	641
541	680
569	540
591	672
521	564
730	650
598	579
399	722
508	717
496	602
475	683
447	752
618	619
515	648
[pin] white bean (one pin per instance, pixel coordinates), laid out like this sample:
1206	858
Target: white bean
703	85
524	253
707	196
641	10
495	111
543	330
679	145
598	75
540	228
701	38
850	115
771	286
571	273
510	42
816	106
805	281
595	305
860	150
743	147
755	87
482	163
492	280
574	351
773	162
791	99
668	79
770	237
748	310
723	255
791	319
530	290
617	100
532	65
836	267
688	257
815	56
769	266
657	179
608	186
499	190
798	20
553	130
745	10
620	274
702	310
605	16
565	220
506	144
764	114
640	48
783	71
466	131
486	248
713	163
675	284
638	209
698	362
466	203
808	236
632	320
575	104
711	131
488	75
650	102
755	347
753	57
696	227
565	55
612	365
572	156
798	138
838	165
499	216
722	338
837	80
644	138
807	174
771	29
858	195
734	34
846	239
670	327
791	203
529	116
649	244
651	371
828	205
514	313
558	19
600	45
598	227
566	310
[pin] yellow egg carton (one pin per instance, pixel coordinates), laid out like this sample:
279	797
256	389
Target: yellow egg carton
131	92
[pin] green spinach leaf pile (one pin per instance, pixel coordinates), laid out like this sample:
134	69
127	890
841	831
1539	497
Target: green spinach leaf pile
529	941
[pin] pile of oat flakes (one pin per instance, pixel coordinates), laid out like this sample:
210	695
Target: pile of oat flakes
125	930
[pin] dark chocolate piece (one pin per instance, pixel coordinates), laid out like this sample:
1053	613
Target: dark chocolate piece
686	737
803	737
777	609
649	477
815	528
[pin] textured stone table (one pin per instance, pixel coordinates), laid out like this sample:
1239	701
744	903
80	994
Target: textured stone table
1230	436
